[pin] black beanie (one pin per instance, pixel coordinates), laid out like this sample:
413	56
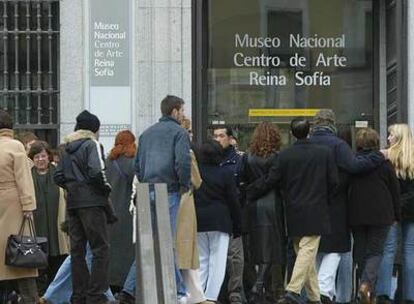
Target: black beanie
87	121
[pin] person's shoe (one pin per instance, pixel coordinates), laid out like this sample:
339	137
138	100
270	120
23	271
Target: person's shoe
235	299
383	299
364	294
125	298
291	298
182	300
42	301
326	300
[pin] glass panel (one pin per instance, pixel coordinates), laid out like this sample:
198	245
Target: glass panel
251	44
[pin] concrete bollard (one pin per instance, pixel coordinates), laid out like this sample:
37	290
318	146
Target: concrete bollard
154	246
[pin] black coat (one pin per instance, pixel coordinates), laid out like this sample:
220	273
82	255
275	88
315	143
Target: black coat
307	175
81	172
339	240
265	216
216	201
120	174
407	199
374	198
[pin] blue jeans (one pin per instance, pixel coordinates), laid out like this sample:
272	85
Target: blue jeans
60	290
344	279
130	282
384	282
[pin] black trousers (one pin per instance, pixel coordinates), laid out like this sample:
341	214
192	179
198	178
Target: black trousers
89	225
368	251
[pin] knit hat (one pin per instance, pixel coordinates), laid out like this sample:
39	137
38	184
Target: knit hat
324	117
87	121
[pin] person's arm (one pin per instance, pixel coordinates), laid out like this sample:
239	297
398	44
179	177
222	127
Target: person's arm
59	175
96	167
267	182
233	203
183	160
354	164
394	188
195	172
24	181
333	179
137	157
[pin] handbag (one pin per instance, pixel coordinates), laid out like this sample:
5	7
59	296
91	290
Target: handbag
27	251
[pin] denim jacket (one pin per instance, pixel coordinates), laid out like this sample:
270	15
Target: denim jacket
164	155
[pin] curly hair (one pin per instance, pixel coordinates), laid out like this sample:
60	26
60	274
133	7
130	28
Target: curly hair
124	145
266	140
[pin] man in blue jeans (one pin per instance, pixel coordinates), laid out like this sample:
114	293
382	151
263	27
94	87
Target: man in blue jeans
164	157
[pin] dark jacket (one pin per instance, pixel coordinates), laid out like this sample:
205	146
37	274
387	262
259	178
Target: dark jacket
307	176
216	201
374	197
81	171
164	155
120	173
407	199
347	163
234	160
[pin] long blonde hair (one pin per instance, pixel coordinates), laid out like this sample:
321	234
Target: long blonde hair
401	153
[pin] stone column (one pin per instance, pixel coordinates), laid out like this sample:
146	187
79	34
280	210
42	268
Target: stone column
162	57
72	63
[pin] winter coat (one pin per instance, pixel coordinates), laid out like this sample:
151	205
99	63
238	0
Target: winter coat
120	174
51	212
374	197
216	201
186	239
16	195
164	155
81	171
233	160
339	240
407	199
265	216
307	176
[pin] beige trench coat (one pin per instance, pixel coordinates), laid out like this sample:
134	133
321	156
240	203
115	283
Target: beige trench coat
16	195
186	240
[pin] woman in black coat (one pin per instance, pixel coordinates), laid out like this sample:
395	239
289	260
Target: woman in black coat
218	216
120	173
265	215
373	207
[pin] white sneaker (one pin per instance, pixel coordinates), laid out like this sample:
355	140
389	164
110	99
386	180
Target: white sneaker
182	300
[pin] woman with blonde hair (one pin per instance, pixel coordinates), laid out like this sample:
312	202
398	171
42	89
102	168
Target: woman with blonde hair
401	155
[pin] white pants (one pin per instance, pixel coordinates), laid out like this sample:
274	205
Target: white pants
213	247
192	282
327	267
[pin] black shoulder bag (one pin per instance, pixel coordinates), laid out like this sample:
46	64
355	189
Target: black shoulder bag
27	251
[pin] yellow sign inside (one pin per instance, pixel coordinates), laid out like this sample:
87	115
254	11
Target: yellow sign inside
282	112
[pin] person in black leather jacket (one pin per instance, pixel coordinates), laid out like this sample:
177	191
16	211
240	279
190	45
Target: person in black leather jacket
82	173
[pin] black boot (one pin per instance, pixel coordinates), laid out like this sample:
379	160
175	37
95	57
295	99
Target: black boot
125	298
383	299
257	292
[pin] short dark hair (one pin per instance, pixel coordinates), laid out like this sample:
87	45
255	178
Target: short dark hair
38	147
229	130
367	139
211	153
300	127
169	103
6	122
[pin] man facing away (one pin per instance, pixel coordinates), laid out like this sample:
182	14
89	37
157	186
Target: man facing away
164	157
307	175
81	172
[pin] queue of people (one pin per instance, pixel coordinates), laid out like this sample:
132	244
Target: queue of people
268	225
